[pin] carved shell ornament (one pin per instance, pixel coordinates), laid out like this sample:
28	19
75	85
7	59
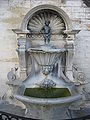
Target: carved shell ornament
37	22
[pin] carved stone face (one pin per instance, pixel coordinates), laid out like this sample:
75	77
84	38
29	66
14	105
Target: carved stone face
47	69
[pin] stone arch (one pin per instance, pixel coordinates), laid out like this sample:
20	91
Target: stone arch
64	16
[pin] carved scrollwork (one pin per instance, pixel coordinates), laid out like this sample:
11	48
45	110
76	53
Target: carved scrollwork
12	74
78	75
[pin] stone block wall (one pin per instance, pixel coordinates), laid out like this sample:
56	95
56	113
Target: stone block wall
12	13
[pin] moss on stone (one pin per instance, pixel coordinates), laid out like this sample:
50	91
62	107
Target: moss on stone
47	93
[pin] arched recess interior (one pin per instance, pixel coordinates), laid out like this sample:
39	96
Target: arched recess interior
28	16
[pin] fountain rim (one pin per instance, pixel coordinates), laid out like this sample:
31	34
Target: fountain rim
33	50
48	101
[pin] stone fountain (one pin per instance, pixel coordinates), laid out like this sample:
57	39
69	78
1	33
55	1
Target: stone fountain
44	92
47	86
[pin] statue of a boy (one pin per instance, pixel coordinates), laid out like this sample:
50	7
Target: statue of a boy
46	31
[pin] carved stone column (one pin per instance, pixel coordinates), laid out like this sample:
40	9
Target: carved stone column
70	52
22	57
69	62
22	52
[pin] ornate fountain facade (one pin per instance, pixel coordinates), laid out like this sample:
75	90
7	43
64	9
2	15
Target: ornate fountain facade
47	86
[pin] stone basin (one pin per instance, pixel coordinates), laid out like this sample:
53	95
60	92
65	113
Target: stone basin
47	109
50	101
47	93
46	55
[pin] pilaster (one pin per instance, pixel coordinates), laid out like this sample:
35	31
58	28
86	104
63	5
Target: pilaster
70	46
21	37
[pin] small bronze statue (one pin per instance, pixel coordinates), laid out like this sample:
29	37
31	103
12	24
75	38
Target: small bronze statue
46	31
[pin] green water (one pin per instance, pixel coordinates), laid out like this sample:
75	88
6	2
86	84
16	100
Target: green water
47	93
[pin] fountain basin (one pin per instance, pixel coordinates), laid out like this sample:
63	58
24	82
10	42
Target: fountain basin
47	93
47	96
46	55
47	108
52	101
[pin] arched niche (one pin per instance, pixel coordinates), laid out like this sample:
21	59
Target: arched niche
24	42
29	15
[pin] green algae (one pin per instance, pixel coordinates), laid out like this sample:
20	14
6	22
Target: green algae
47	93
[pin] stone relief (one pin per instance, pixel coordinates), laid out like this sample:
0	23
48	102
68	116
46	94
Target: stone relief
12	75
79	76
47	83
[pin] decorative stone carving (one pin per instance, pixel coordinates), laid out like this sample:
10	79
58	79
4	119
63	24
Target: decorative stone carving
47	61
79	76
70	48
12	74
37	22
22	56
47	84
34	23
22	41
61	13
47	69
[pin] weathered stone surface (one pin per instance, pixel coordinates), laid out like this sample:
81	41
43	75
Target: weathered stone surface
11	15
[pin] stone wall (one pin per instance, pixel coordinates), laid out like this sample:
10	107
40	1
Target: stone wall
12	13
